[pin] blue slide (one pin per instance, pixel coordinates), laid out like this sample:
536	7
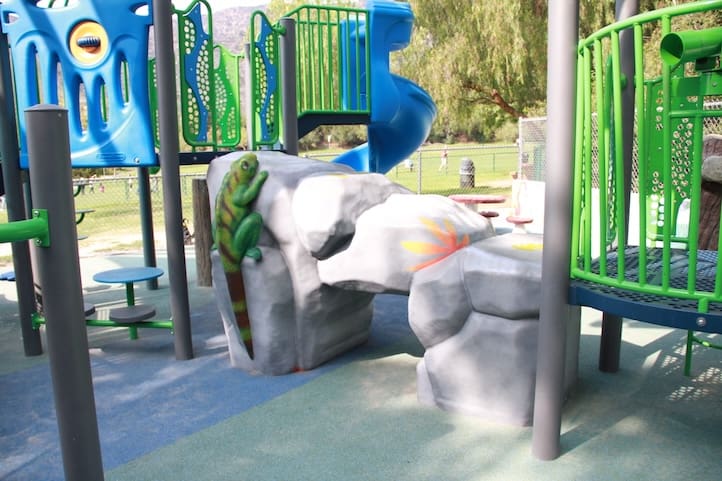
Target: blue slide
401	111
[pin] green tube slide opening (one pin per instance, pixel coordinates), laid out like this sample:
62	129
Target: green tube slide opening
690	45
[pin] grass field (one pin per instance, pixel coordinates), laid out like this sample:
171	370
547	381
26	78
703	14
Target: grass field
114	223
493	164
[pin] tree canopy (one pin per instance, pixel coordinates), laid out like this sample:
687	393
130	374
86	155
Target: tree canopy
485	62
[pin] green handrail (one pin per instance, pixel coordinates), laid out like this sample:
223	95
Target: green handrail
22	230
333	61
332	51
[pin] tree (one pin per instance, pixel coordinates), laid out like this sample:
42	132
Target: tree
484	61
479	60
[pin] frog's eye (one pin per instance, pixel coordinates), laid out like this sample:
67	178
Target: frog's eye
244	165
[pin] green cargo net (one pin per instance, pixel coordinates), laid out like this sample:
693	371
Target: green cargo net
677	100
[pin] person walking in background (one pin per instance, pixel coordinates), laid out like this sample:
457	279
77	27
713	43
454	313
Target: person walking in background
444	165
409	164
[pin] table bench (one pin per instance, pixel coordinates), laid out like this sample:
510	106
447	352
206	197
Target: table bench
132	315
474	200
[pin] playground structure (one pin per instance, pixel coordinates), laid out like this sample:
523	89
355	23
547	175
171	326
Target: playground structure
93	61
339	74
556	253
97	68
657	275
118	116
653	271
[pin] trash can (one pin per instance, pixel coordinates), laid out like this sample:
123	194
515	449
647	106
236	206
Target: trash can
466	173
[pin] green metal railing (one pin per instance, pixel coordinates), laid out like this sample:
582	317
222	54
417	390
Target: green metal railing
333	84
671	105
332	60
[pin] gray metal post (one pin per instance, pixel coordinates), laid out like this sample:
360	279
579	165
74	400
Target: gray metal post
146	223
172	207
610	342
59	277
561	51
288	86
611	337
419	179
9	153
624	10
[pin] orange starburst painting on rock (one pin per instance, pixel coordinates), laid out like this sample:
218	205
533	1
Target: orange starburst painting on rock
448	243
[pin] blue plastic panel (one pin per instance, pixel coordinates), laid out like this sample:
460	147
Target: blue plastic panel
106	93
267	109
195	56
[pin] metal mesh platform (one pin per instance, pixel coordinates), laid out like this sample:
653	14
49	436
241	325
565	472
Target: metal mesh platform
657	309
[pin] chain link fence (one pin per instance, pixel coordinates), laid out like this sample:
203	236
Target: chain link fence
484	169
109	205
528	195
532	145
532	148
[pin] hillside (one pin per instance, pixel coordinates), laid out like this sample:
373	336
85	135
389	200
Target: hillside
230	26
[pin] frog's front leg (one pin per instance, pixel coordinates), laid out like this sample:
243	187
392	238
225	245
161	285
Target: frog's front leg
245	239
244	194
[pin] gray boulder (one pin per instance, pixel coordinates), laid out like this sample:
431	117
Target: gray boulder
296	320
487	370
399	237
477	316
325	208
332	238
503	275
271	311
438	301
712	169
